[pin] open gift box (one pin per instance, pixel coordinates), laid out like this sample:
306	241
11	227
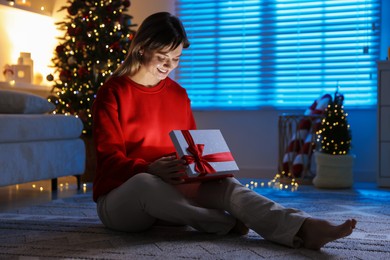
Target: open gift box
206	152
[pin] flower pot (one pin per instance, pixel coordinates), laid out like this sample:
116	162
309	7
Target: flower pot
333	171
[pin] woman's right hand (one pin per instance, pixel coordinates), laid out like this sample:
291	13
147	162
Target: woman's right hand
169	169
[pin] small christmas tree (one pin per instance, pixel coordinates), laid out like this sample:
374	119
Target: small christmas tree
97	35
334	134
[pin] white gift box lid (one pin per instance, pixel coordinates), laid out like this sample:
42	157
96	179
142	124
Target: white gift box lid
213	143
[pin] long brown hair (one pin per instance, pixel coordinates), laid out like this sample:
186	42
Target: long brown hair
158	31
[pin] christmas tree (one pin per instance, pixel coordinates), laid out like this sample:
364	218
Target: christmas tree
334	134
97	35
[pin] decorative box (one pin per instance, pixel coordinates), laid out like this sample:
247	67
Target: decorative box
22	73
206	153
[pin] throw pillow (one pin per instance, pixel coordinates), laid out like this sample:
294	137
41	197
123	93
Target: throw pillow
15	102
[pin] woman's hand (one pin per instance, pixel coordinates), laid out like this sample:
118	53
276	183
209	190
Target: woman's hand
169	169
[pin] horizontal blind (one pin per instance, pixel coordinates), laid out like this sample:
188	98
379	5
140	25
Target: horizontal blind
255	53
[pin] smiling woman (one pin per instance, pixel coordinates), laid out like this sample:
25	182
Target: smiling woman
24	31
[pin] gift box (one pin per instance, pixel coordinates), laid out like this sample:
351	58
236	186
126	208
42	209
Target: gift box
206	152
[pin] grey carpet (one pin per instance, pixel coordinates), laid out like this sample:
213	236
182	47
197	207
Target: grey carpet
69	228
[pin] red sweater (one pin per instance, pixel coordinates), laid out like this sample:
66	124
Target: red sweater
131	125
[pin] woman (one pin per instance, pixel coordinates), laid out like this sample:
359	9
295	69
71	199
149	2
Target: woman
138	184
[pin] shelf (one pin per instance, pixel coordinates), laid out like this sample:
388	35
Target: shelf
40	90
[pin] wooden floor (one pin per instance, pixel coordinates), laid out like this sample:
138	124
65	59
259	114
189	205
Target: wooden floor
27	194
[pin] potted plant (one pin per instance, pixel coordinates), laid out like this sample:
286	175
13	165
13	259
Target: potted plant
333	159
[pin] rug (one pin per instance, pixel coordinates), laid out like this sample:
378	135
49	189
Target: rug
69	228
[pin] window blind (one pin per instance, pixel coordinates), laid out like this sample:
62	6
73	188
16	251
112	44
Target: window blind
253	54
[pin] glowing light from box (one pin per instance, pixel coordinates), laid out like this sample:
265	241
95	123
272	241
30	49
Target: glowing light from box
30	32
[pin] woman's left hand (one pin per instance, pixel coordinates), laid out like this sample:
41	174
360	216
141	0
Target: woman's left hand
169	169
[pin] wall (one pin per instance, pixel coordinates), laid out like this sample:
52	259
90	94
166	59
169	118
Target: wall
140	9
24	31
253	138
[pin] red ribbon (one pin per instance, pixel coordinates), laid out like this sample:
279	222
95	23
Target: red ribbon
202	161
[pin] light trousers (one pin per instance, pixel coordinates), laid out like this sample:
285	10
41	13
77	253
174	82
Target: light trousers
212	207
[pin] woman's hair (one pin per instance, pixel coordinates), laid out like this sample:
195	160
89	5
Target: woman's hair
158	31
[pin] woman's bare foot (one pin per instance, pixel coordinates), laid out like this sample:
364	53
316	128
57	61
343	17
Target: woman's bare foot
315	233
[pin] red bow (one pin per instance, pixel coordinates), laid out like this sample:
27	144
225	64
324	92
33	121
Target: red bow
202	161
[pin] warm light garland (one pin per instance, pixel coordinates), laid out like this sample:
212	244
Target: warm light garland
274	184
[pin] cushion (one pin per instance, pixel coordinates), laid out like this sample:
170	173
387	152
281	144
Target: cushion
42	127
33	161
16	102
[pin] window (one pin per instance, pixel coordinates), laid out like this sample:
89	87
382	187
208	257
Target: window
253	54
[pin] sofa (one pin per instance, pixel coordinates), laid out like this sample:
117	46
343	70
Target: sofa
36	144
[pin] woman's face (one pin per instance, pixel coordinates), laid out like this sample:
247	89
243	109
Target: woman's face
158	64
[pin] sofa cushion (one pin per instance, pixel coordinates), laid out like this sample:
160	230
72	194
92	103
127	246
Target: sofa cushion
34	161
25	128
16	102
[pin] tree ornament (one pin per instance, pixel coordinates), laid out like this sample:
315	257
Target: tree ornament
126	3
116	46
74	31
50	77
80	45
72	60
72	10
83	72
60	49
74	7
65	75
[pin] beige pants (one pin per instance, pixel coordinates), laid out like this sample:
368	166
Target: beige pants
211	207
